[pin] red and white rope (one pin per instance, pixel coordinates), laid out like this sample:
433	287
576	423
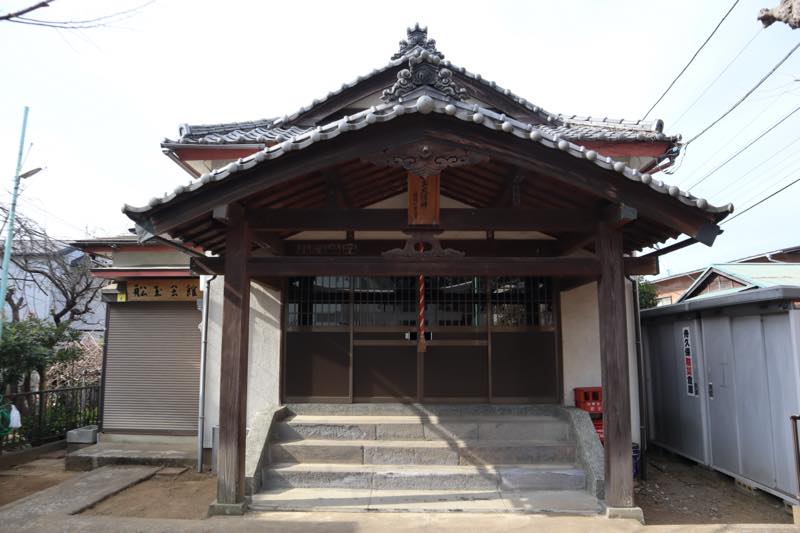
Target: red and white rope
421	313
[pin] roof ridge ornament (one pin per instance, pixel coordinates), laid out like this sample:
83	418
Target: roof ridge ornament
417	38
424	68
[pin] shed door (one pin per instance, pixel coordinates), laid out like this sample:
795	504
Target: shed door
721	389
152	368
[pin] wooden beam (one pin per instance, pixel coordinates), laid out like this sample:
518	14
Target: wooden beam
510	193
349	265
641	266
615	216
434	266
614	368
375	247
517	219
233	363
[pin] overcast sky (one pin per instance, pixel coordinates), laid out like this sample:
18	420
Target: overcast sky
102	99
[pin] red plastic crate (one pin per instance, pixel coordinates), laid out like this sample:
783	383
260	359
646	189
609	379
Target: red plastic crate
589	399
598	426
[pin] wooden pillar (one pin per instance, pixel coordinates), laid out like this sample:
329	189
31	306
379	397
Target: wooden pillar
233	367
614	368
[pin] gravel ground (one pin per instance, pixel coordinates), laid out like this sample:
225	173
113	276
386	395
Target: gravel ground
25	479
678	491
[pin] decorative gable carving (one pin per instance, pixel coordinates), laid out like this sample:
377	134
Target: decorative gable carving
426	160
417	39
424	68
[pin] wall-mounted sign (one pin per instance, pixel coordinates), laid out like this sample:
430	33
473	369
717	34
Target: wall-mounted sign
691	385
423	200
162	290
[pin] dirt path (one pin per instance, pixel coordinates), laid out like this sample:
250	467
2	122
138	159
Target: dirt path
186	495
680	492
25	479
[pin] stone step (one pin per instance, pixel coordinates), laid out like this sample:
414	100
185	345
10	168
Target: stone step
425	501
423	410
411	427
417	477
419	452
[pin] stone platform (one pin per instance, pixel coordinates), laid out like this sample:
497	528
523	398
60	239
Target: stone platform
429	458
131	453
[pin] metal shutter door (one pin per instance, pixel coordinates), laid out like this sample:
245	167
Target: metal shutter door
152	367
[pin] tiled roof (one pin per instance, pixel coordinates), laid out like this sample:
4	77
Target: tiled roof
237	133
426	104
571	127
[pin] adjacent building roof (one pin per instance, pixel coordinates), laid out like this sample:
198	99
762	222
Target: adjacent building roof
748	276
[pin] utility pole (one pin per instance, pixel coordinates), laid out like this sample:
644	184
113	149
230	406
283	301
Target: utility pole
10	224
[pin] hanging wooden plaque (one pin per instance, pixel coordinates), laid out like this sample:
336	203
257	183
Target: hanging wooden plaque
423	200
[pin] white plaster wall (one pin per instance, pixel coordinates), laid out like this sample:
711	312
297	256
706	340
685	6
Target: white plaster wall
580	327
148	258
580	335
264	353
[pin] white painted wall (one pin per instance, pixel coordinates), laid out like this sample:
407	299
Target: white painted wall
580	331
580	339
264	353
145	257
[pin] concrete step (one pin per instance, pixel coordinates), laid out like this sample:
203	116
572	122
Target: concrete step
425	410
418	477
419	452
414	427
426	501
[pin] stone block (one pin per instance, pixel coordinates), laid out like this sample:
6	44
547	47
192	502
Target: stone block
289	431
423	479
316	453
519	478
628	513
523	430
350	479
435	456
227	509
78	463
83	435
518	454
451	430
388	455
399	432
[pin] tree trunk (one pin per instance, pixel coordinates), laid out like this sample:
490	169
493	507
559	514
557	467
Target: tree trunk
42	371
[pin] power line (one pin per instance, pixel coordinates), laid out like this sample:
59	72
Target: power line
739	132
743	98
715	80
739	186
760	201
691	60
768	186
745	147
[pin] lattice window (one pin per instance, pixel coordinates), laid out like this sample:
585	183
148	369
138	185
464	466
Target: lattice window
318	301
522	301
388	301
455	301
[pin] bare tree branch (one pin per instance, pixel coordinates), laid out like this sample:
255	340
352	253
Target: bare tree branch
52	270
17	14
105	20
